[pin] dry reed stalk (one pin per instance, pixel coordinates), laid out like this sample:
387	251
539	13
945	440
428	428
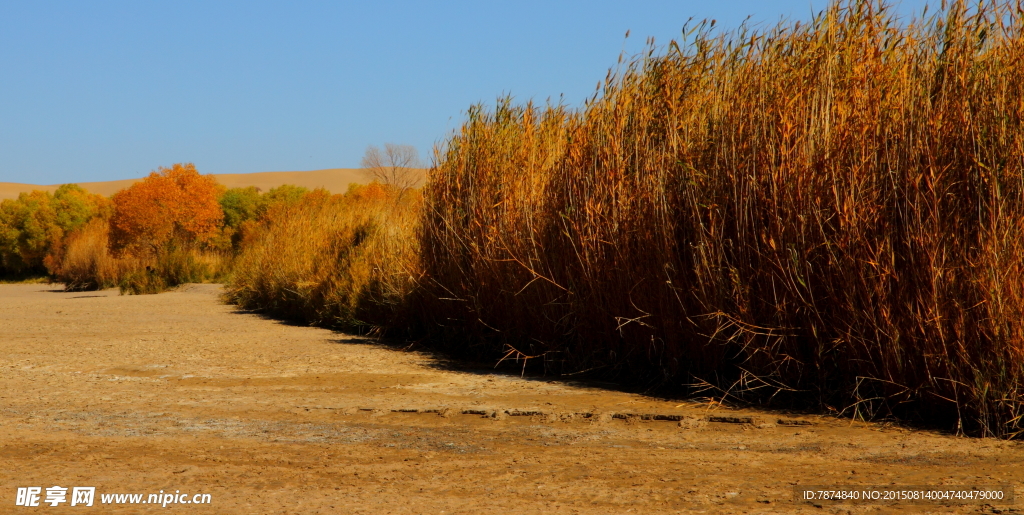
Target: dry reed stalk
832	212
85	262
340	260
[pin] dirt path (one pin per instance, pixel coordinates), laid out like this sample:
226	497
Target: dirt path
178	392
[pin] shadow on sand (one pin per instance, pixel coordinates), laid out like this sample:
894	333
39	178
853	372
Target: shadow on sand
438	360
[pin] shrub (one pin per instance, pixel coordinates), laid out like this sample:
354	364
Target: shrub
172	207
281	195
170	221
244	206
340	260
86	263
33	226
239	205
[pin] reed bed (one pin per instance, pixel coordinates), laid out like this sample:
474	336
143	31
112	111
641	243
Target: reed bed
827	214
348	261
84	262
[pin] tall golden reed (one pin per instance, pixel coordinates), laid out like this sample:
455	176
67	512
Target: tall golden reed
830	212
342	260
84	261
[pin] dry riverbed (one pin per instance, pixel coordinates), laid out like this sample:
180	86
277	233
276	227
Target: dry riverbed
179	392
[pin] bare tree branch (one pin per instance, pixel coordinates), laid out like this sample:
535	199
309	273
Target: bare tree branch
395	166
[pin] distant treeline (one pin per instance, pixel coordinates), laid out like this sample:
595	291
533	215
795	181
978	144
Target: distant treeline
175	226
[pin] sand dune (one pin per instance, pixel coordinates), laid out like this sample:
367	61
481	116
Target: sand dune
335	180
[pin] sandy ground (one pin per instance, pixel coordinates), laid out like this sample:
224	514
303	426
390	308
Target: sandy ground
178	392
335	180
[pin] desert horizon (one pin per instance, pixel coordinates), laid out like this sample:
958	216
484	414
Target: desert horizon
335	180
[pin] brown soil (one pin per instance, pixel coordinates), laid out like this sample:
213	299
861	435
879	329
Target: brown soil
178	391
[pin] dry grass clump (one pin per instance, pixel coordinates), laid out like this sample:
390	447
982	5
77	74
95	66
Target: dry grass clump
174	267
340	260
85	263
829	212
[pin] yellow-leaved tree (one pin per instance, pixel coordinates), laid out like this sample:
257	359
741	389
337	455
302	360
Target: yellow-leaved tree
33	226
172	208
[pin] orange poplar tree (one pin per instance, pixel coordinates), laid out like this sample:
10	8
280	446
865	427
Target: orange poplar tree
173	206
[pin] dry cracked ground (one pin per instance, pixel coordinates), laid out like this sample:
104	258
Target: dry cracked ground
181	393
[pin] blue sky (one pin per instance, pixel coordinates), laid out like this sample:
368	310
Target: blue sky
95	91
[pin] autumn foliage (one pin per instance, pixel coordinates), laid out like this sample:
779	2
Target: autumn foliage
173	206
342	260
33	226
84	261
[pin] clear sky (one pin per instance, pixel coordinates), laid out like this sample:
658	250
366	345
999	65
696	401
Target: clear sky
104	90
